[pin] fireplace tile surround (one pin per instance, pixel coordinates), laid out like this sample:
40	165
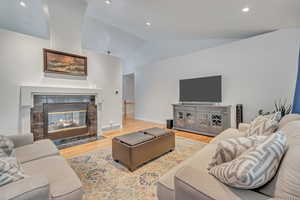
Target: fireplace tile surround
34	100
63	116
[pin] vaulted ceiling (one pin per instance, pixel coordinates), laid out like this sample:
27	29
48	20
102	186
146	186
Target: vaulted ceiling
177	26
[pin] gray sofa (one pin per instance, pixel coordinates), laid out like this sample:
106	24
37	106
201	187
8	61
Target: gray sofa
49	175
190	180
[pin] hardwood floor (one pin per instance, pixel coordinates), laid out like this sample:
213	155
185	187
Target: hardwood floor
130	125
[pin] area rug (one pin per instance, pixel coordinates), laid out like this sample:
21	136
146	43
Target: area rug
104	179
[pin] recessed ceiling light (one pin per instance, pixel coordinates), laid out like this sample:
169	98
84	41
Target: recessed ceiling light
246	9
108	2
23	4
148	23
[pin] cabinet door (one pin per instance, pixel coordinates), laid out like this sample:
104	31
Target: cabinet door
217	120
190	120
179	121
203	121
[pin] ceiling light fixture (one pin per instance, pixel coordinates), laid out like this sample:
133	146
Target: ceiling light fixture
246	9
23	4
148	23
108	2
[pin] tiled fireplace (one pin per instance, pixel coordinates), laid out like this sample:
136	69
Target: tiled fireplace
63	116
60	113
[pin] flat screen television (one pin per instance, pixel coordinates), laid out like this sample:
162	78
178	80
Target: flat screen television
205	89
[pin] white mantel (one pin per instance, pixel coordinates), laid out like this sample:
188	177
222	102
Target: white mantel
28	93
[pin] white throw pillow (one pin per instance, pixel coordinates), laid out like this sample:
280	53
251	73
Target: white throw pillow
229	149
6	146
255	167
264	125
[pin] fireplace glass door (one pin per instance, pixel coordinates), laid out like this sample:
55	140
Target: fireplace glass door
66	120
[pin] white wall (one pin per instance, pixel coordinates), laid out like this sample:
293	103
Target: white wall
21	63
255	71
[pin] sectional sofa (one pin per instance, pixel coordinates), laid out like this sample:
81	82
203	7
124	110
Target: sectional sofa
190	180
49	175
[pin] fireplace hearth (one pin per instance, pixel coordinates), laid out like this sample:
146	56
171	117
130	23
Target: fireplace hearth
63	117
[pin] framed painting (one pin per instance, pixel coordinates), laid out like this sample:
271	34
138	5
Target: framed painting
64	63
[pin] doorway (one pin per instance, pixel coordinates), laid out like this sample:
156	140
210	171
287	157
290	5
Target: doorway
128	96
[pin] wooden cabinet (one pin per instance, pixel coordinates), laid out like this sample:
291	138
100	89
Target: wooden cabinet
202	119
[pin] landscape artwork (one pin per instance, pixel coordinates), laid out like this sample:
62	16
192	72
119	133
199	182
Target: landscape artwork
64	63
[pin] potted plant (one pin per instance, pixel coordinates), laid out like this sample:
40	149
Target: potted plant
283	107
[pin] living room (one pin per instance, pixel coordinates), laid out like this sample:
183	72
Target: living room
107	99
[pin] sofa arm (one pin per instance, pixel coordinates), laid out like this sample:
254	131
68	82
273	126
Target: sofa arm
197	184
21	140
34	187
243	127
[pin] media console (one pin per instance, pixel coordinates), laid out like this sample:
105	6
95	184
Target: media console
202	119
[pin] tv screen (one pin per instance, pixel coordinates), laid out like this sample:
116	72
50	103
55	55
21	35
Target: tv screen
206	89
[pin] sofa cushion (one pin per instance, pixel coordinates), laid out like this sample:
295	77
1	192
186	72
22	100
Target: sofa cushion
29	188
6	146
287	119
228	133
256	166
264	125
37	150
166	185
286	184
231	148
10	170
63	182
194	184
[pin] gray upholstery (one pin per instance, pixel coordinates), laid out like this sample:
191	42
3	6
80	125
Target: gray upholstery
49	177
191	181
286	184
287	119
35	187
37	150
194	184
64	183
229	133
21	140
198	162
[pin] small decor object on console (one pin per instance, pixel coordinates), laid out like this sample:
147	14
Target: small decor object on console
64	63
255	167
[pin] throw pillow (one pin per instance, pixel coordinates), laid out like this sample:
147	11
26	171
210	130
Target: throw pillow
256	166
10	170
229	149
6	146
264	125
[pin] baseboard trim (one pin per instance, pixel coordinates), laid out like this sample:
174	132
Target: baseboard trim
149	120
111	128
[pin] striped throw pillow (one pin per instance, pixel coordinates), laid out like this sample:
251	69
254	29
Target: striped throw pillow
10	170
264	125
229	149
255	167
